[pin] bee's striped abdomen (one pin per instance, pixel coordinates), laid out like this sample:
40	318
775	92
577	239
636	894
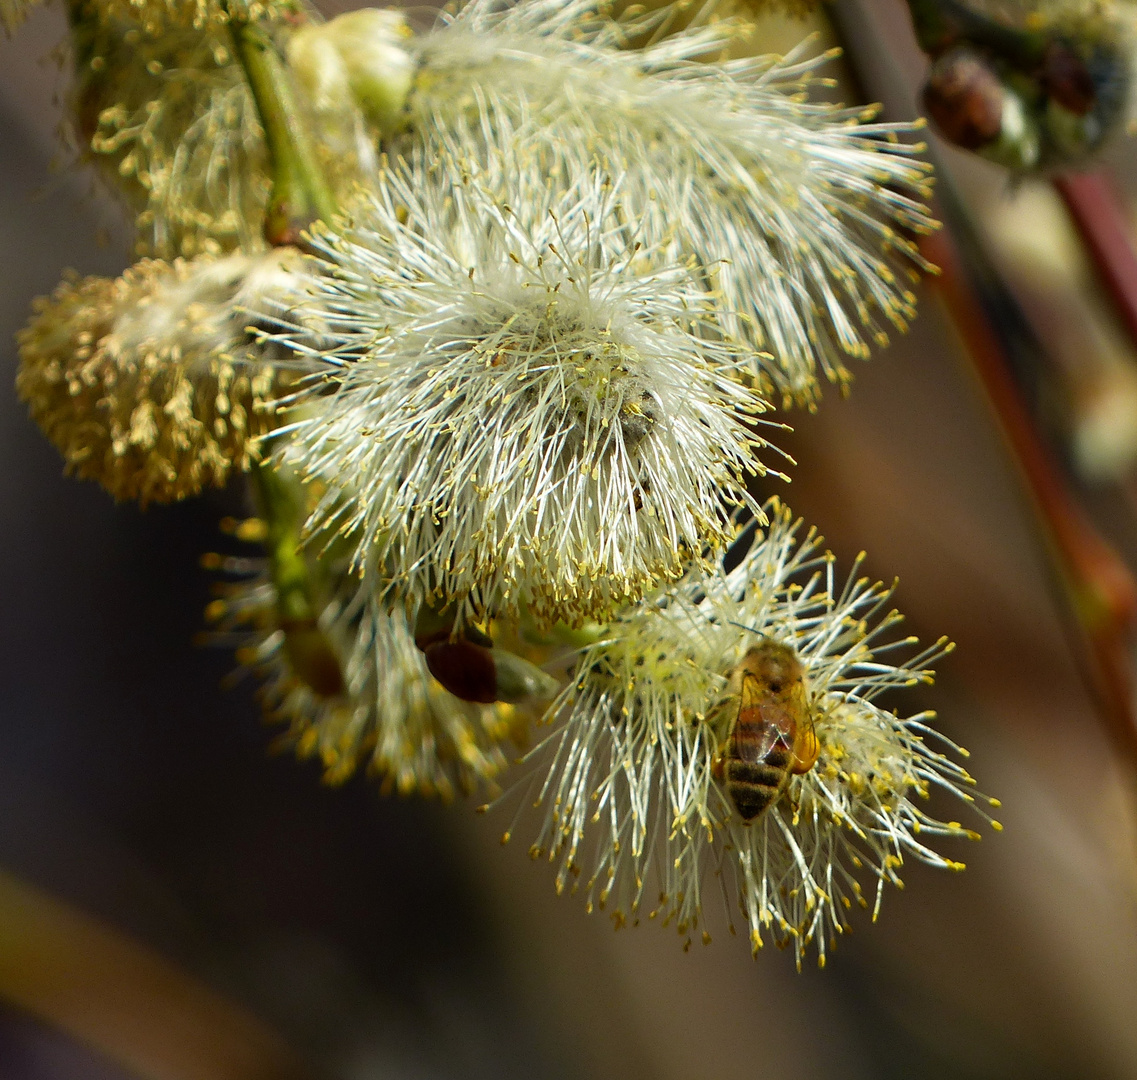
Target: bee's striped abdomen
754	785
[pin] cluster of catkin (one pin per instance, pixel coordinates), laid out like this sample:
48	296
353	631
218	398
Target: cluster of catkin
495	319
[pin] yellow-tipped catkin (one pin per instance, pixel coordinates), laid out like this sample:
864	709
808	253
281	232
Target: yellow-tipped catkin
150	383
168	120
390	717
644	778
157	15
164	112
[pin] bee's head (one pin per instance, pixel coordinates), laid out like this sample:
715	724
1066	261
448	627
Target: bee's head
775	664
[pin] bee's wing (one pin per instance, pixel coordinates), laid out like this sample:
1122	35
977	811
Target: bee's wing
762	723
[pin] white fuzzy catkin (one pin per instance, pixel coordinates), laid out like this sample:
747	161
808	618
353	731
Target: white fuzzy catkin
631	806
520	404
800	210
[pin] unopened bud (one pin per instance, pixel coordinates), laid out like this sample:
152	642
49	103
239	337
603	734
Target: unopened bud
973	107
465	669
518	680
360	51
321	69
477	672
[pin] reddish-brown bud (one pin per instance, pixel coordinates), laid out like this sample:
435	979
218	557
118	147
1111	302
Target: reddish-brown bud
465	669
964	98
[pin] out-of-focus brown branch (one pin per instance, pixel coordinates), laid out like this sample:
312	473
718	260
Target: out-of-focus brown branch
1107	236
1007	354
125	1001
1099	586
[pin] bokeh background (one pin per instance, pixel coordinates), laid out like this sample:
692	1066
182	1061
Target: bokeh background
168	885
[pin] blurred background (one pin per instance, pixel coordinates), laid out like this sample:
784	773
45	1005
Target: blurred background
177	903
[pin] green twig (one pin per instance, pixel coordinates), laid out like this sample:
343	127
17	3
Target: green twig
300	194
308	650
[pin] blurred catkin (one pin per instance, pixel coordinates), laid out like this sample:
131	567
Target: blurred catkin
149	383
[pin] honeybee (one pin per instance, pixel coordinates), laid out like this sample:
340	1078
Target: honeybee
770	738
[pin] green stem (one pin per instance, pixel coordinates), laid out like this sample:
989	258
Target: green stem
300	194
310	653
280	507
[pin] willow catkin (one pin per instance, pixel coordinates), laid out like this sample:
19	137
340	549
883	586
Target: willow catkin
150	383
